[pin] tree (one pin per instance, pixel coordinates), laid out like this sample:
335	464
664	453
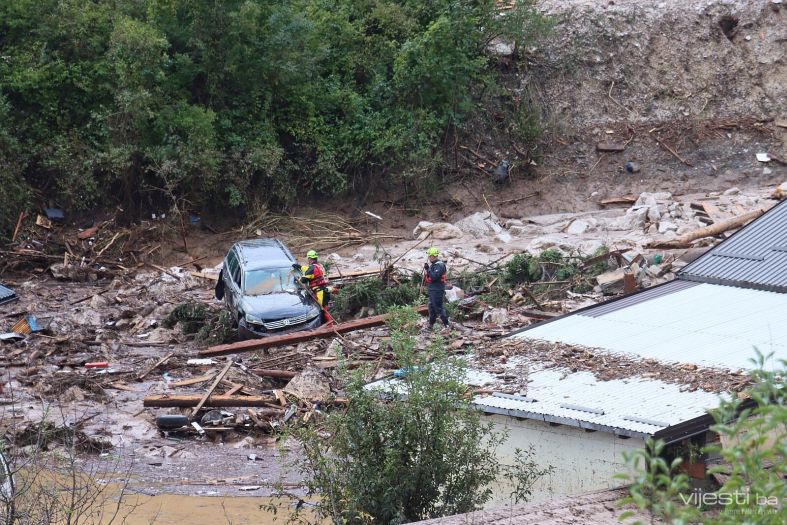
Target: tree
413	448
755	491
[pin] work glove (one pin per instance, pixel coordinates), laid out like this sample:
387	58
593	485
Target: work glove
296	266
305	280
426	266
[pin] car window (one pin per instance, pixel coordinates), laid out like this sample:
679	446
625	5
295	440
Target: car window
233	266
268	280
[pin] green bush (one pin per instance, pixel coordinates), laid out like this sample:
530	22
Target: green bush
391	458
220	106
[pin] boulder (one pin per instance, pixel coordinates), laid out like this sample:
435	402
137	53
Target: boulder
554	241
480	224
439	230
611	282
667	226
310	385
578	227
498	316
634	219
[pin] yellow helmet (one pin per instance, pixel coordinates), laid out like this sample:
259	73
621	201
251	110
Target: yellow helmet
311	254
432	252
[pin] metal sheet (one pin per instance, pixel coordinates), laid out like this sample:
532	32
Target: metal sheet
707	325
754	257
635	407
7	295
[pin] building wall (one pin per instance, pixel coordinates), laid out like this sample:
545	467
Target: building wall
583	461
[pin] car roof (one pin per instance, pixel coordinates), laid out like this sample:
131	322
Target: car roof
263	253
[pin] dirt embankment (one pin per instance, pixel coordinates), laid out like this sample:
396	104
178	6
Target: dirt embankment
690	90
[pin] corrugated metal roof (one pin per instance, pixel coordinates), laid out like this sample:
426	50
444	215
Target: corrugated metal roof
707	325
633	407
6	295
754	257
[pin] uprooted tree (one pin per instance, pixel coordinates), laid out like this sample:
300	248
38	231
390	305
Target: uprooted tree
409	449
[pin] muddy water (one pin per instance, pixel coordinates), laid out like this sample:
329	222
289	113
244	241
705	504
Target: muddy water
169	509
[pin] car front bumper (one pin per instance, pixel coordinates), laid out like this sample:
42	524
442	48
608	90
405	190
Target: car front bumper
247	331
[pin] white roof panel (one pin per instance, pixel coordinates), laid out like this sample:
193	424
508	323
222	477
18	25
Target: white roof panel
707	325
639	406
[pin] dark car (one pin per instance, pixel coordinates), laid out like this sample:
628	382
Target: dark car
260	289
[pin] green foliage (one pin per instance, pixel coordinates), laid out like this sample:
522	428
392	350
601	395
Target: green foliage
756	439
371	292
394	458
518	269
216	106
211	325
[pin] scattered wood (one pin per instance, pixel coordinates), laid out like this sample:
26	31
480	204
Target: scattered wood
278	374
684	241
160	362
610	147
193	381
674	153
211	389
517	199
168	401
626	200
203	275
88	233
322	332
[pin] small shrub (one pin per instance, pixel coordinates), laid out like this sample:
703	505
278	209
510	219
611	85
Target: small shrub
519	269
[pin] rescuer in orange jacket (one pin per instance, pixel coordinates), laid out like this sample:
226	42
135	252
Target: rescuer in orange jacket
314	276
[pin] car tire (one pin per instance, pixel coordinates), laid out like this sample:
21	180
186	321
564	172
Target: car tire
171	421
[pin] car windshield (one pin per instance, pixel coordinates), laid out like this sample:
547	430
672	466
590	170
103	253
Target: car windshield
268	280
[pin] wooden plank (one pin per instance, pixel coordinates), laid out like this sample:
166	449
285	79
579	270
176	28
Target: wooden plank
322	332
211	389
279	374
167	401
158	363
193	380
625	200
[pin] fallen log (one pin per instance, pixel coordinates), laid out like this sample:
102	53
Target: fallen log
720	227
165	401
322	332
684	241
279	374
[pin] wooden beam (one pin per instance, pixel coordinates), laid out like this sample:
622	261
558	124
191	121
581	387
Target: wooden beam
279	374
166	401
160	362
211	389
323	332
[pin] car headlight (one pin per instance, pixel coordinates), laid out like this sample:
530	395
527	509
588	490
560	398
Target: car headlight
253	319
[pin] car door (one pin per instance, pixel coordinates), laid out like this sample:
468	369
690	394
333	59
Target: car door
231	276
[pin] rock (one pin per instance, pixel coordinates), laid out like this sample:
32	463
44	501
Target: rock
87	318
545	242
667	226
498	316
454	294
578	227
634	219
650	202
632	167
513	222
480	224
334	257
439	230
766	171
732	191
781	192
520	230
487	248
98	301
611	282
502	49
309	385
